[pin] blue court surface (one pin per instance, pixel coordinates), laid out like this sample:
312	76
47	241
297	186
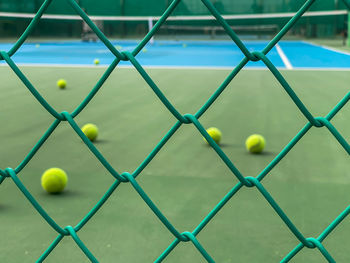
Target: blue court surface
213	54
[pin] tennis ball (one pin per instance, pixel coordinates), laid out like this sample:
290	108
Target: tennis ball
184	45
90	130
96	61
118	47
255	143
54	180
37	45
215	134
61	83
144	50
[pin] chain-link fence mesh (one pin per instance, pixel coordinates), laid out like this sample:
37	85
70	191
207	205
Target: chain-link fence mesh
126	177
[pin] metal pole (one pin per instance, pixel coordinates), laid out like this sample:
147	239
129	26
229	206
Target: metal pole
150	26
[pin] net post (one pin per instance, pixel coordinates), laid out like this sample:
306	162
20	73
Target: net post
150	26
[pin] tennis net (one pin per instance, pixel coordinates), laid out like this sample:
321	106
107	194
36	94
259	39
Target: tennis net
313	24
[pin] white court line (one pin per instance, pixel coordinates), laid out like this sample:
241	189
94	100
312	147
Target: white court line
283	56
172	67
328	48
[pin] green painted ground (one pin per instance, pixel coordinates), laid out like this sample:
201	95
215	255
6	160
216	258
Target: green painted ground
186	179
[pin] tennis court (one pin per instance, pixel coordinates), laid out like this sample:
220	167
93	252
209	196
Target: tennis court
214	54
156	186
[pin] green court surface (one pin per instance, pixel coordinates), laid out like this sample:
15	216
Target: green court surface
187	178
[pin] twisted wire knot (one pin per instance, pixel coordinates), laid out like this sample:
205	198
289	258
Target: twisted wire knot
188	118
187	236
68	230
320	122
125	177
312	242
255	56
8	172
64	115
251	181
124	55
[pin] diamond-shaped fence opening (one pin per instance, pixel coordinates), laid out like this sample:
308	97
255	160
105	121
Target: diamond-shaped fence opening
191	119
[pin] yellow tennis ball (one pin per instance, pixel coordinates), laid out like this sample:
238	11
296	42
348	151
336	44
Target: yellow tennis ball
54	180
144	50
90	130
61	83
255	143
96	61
215	134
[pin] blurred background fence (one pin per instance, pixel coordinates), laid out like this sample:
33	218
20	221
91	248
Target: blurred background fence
323	25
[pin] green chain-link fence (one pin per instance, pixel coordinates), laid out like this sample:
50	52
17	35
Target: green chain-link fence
126	177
